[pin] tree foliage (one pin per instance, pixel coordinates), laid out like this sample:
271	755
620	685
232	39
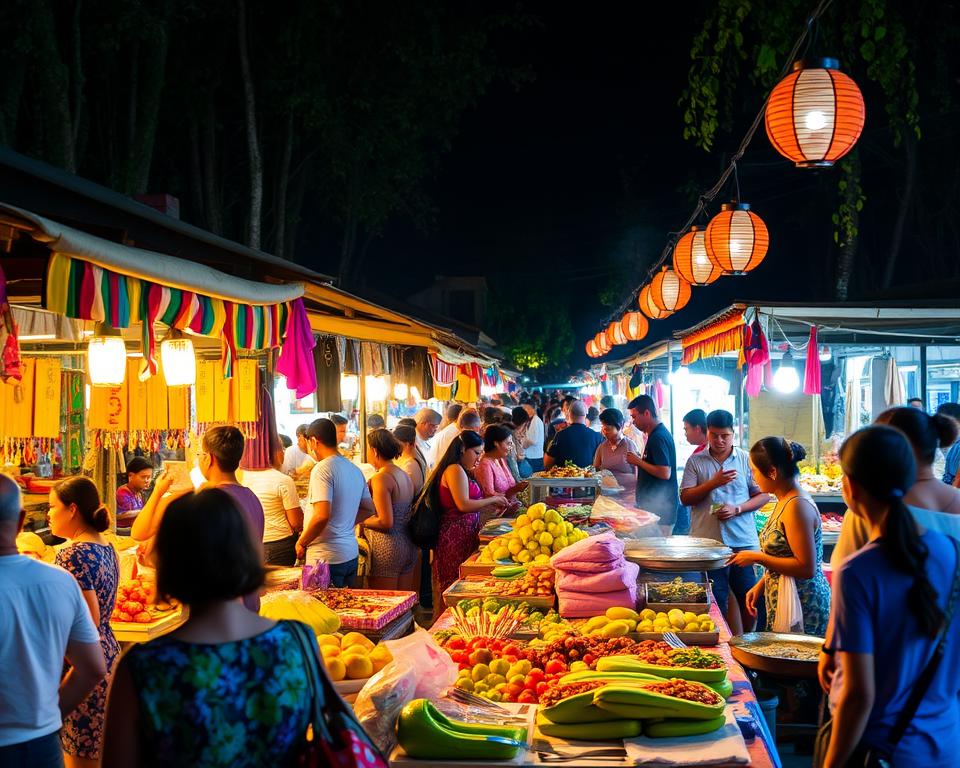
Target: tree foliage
532	330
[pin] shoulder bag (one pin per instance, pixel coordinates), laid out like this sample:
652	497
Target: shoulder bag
424	523
336	738
873	757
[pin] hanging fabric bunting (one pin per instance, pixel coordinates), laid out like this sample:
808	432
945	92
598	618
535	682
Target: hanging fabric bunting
10	363
811	374
724	335
444	373
756	354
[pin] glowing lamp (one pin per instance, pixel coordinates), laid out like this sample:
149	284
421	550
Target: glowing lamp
669	291
376	388
650	309
690	259
786	379
177	360
592	349
634	325
615	334
415	394
400	391
815	114
825	355
349	387
106	357
736	239
603	343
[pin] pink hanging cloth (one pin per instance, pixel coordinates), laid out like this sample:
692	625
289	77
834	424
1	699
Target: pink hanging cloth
756	354
811	374
296	354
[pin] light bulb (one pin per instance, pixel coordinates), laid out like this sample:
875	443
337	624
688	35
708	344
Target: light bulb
178	362
349	387
815	120
400	391
786	379
376	388
734	246
825	354
415	394
106	359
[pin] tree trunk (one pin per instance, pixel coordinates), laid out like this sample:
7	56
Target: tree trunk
906	200
283	182
54	92
196	172
253	145
848	244
211	192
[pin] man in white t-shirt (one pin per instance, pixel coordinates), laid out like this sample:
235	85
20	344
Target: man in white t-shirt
338	500
297	459
282	515
469	418
43	618
533	439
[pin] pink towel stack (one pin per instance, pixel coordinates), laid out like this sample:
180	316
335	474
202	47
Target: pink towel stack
592	575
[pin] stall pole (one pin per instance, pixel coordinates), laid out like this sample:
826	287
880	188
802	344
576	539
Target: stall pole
740	383
362	406
923	374
816	431
673	428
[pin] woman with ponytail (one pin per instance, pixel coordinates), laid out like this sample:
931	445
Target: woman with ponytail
76	514
890	602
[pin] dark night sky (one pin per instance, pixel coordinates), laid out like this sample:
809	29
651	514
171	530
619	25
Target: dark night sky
534	185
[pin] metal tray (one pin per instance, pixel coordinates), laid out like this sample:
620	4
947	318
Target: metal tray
564	482
678	553
741	648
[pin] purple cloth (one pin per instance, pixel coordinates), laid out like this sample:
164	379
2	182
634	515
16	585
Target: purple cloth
580	604
296	354
616	579
249	504
258	451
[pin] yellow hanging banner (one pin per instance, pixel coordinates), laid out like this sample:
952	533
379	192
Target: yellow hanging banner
157	402
108	408
46	398
246	378
207	371
136	397
20	402
221	396
178	407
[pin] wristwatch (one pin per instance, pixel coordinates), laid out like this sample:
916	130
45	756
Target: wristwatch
738	510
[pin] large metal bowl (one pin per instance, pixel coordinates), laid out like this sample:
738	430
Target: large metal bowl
744	649
678	553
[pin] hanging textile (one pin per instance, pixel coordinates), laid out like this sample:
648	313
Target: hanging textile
327	363
349	356
444	373
296	355
259	450
371	358
756	354
892	384
81	290
10	363
811	374
417	366
469	377
658	394
724	335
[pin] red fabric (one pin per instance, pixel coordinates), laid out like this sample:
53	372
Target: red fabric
87	288
443	373
811	375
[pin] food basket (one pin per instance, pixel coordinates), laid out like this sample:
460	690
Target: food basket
484	586
473	567
366	610
650	597
754	650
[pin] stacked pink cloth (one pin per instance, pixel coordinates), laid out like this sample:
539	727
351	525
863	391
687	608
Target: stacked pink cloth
592	575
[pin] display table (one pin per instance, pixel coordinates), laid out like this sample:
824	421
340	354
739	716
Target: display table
762	750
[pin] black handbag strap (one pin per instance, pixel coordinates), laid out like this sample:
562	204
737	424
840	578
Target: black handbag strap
926	677
308	649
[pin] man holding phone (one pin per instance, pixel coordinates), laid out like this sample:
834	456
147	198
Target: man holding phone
719	487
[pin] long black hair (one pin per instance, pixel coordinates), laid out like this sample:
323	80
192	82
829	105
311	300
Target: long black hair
926	433
458	446
881	460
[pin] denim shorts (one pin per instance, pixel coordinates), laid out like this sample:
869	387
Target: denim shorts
44	752
344	574
738	578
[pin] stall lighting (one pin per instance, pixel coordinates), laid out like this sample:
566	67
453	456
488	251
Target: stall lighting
678	376
592	349
349	387
37	336
815	114
825	354
736	239
400	391
690	259
177	360
786	379
615	334
415	394
106	357
376	388
634	325
669	291
603	343
650	309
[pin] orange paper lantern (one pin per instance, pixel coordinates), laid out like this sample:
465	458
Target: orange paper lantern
615	333
592	349
736	239
690	259
669	291
647	306
634	325
603	343
815	114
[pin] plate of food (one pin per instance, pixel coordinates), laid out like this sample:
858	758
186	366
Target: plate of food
778	653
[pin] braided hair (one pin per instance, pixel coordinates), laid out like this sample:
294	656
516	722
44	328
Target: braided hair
881	461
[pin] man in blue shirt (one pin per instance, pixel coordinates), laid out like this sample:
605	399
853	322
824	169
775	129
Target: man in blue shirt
719	487
657	468
576	443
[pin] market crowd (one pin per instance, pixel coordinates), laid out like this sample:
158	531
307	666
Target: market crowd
224	687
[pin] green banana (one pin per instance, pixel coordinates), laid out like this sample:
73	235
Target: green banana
668	705
423	737
630	664
601	731
623	678
578	708
663	729
724	687
508	571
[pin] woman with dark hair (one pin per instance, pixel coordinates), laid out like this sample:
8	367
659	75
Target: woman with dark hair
393	553
888	615
130	494
461	500
77	515
493	473
225	687
612	453
410	460
791	543
520	420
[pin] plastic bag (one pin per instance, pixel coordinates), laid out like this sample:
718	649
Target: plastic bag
420	669
316	576
627	522
789	613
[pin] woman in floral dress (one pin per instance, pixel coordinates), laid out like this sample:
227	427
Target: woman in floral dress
791	542
76	514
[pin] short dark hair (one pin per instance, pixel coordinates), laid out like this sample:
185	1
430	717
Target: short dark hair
205	550
495	433
719	419
225	444
607	401
519	416
375	421
915	400
302	430
406	421
324	431
949	409
592	413
453	411
612	417
643	403
492	415
82	492
339	419
285	441
405	434
138	464
469	418
385	443
697	418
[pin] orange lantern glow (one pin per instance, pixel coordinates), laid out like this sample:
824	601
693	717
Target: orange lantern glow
815	114
690	259
736	239
592	349
603	343
634	325
615	334
669	291
647	306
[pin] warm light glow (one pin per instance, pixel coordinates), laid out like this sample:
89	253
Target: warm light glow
376	388
178	362
815	120
690	259
349	388
615	334
37	336
647	306
634	325
825	354
415	394
679	375
786	379
400	391
736	239
107	360
668	291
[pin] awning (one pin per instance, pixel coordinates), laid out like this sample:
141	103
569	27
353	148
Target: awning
724	334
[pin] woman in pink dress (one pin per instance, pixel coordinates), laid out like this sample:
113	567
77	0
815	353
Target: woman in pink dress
493	473
461	500
612	455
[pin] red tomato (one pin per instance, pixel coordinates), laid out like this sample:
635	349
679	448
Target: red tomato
530	685
536	674
589	659
511	649
510	658
555	667
527	697
542	688
481	642
513	690
456	643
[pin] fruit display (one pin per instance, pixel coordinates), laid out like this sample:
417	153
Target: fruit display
365	609
568	470
351	656
476	622
674	620
136	603
660	659
299	606
532	582
425	733
536	535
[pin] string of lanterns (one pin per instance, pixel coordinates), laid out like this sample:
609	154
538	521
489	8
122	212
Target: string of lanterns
813	117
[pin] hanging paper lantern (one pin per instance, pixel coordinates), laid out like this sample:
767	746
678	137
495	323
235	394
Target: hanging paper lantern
815	114
603	343
634	325
106	357
736	239
647	306
592	349
177	360
615	334
690	259
669	291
